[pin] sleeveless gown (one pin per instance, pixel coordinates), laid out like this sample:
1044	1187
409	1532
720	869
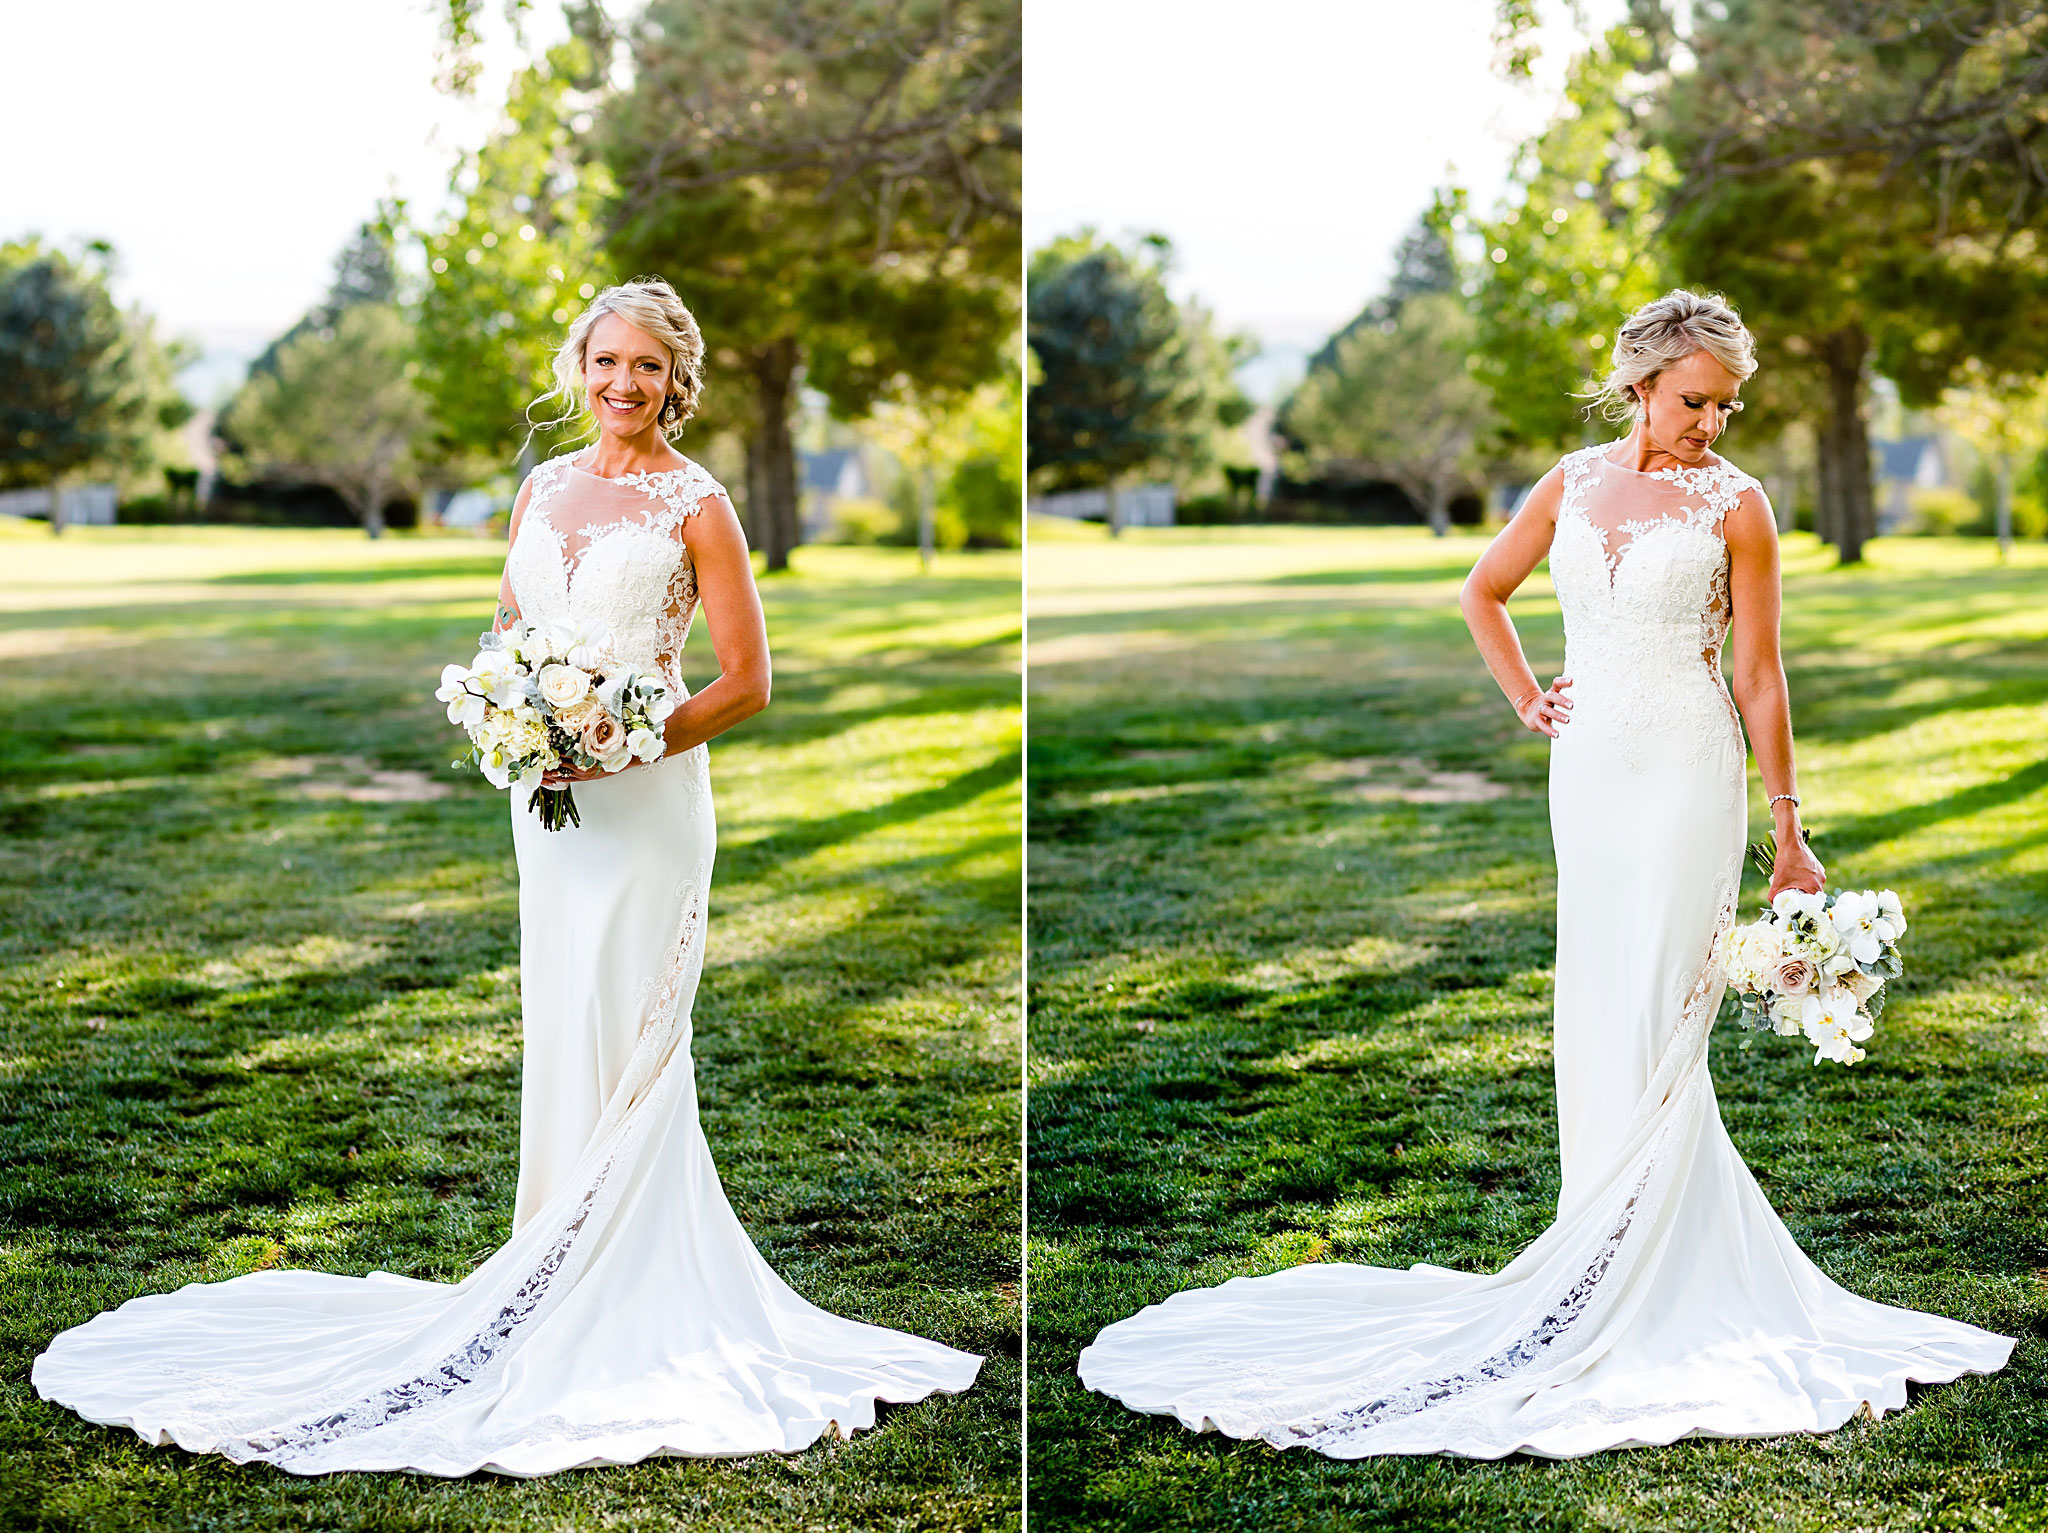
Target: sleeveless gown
628	1315
1667	1300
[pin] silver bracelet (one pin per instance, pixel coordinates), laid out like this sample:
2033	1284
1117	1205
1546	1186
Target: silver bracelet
1775	797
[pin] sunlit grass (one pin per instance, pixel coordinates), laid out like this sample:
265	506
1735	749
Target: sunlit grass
243	1024
1286	1008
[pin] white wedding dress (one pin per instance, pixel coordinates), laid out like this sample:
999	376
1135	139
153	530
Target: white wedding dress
629	1315
1667	1299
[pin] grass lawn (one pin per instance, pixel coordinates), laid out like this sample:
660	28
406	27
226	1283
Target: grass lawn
259	997
1291	937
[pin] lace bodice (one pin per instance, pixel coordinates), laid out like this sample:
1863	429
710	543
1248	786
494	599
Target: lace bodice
1641	573
611	552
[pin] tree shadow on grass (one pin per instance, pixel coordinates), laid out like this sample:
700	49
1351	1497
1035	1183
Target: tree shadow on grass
1856	835
754	859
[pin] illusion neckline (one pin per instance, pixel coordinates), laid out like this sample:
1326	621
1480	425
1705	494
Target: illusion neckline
632	478
1717	464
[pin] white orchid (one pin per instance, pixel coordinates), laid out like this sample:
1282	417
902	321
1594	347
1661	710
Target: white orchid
580	643
1793	903
1834	1025
1859	921
501	678
465	705
1892	913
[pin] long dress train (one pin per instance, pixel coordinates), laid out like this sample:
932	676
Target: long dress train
1667	1299
629	1315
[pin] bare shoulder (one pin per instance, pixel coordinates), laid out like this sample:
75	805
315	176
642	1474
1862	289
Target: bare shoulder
1751	523
712	524
1545	496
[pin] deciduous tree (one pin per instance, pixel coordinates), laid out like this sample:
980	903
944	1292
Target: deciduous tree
338	407
1397	401
1851	242
832	186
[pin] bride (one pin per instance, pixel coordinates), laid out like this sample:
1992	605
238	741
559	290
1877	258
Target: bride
1667	1300
629	1315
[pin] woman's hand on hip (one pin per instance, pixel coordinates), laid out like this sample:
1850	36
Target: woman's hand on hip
1548	711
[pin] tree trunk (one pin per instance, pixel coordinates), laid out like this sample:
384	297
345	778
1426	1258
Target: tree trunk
2004	522
1847	513
771	456
756	497
927	515
1439	507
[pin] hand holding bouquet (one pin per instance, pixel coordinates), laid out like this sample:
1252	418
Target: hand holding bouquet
541	700
1816	964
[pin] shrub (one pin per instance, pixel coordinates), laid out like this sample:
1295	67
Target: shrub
1939	511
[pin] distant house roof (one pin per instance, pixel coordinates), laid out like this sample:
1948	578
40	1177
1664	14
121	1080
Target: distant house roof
1915	459
836	471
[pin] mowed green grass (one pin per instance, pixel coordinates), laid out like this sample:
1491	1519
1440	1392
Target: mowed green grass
259	998
1291	939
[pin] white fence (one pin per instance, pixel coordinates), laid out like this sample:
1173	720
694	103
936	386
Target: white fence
1139	505
78	505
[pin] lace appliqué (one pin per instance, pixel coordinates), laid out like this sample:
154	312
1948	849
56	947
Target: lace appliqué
1461	1405
1328	1434
628	571
1646	606
486	1351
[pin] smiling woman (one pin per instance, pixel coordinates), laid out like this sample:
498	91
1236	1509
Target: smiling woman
629	1315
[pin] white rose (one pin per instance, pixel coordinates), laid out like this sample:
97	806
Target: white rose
562	685
1788	1014
645	745
1748	951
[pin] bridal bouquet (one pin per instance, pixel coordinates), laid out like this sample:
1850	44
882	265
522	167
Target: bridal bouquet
1816	964
538	700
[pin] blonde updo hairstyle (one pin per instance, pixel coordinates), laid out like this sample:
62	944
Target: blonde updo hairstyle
1667	330
648	304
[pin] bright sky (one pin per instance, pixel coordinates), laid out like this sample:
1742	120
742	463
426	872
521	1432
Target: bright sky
229	148
1284	145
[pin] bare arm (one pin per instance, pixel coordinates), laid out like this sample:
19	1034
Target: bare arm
739	637
739	632
508	604
1507	562
1758	681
